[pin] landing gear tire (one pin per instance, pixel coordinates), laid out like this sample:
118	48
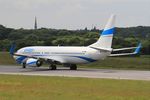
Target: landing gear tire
73	67
23	65
53	67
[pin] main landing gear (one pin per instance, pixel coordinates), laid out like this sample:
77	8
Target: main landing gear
23	65
52	67
73	67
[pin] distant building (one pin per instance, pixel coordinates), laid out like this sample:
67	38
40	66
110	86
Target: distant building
35	24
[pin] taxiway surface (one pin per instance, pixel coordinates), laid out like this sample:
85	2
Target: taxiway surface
81	72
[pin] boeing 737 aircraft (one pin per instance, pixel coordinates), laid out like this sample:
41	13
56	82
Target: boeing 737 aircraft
69	56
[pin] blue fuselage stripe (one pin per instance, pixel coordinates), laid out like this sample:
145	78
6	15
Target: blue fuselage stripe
85	58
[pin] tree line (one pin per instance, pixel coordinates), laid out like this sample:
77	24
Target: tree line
124	37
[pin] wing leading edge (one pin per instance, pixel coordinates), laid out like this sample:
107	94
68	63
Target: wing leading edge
137	50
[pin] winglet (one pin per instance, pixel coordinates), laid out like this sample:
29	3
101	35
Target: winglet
137	50
12	49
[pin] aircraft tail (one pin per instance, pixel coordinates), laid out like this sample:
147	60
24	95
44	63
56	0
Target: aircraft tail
105	40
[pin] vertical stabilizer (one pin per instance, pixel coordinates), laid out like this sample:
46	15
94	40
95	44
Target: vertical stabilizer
105	40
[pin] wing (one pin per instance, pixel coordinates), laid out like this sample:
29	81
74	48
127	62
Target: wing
122	49
49	59
137	50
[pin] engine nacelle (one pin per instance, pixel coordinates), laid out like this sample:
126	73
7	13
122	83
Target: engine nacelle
33	62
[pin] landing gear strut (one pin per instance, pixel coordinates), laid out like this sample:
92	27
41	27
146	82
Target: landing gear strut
23	65
73	67
52	67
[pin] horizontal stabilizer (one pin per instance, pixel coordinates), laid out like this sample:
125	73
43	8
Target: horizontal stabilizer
103	49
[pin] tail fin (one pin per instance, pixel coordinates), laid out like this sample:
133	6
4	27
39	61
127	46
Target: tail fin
105	40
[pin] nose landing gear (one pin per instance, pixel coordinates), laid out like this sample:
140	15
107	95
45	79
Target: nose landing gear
24	65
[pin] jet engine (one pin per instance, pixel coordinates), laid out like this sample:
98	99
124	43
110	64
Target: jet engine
33	62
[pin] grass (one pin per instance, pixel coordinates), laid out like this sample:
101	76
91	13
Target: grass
63	88
6	59
138	63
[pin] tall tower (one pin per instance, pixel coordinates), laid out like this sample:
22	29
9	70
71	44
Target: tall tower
35	24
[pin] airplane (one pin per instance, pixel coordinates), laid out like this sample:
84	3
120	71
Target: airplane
69	56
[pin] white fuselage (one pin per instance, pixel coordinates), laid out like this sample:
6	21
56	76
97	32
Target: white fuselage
70	55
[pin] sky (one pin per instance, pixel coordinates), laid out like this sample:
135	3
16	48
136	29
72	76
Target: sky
73	14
